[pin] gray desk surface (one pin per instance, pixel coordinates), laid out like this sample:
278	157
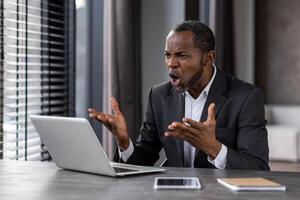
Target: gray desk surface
43	180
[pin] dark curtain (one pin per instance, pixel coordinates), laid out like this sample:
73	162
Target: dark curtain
126	68
261	46
224	34
191	10
70	57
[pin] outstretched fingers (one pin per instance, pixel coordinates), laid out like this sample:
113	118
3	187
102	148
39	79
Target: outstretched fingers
186	129
100	116
115	106
181	131
93	113
174	134
192	123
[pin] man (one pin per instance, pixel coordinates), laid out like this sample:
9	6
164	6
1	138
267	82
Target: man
202	117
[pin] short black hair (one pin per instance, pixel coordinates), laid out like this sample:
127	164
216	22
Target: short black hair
203	36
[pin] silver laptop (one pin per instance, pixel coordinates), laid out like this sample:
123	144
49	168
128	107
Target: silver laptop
73	145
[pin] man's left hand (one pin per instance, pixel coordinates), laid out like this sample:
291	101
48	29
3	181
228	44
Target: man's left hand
201	135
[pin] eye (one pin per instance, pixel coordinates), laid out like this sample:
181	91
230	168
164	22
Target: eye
167	54
183	55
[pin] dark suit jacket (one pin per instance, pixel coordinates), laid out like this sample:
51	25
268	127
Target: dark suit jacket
240	125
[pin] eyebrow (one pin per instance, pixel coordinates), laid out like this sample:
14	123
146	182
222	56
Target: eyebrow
177	52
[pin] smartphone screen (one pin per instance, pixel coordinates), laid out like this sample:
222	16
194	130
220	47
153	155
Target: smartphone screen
177	183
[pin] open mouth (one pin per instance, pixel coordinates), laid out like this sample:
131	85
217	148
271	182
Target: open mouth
174	78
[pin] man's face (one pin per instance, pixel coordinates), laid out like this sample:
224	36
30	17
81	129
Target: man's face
183	60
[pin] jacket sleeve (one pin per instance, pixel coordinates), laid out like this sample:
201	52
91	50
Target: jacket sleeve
252	139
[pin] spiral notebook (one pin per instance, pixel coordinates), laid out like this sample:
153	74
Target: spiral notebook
251	184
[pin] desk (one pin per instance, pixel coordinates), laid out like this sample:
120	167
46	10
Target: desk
43	180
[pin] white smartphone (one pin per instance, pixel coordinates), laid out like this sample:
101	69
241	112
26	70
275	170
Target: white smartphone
177	183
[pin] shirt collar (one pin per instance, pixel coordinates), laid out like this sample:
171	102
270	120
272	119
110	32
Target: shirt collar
205	91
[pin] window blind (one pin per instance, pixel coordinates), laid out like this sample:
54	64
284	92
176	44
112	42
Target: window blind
1	79
38	71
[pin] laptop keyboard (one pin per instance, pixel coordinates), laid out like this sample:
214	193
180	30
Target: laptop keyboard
119	170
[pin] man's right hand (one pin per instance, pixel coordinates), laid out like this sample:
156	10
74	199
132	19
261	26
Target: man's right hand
115	123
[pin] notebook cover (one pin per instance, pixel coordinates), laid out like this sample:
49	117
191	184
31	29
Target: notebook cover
251	184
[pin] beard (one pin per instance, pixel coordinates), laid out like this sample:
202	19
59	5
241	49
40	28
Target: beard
182	86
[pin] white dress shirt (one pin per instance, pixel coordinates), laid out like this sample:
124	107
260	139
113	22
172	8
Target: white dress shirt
193	110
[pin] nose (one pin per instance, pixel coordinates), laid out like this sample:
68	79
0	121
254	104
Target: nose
172	62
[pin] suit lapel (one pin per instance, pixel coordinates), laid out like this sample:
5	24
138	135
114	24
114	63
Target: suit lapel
215	95
218	99
175	104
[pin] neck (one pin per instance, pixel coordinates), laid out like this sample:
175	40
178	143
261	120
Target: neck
196	90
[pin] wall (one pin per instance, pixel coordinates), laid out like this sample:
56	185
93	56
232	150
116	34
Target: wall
244	39
278	50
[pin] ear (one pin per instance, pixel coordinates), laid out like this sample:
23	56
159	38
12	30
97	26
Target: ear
209	57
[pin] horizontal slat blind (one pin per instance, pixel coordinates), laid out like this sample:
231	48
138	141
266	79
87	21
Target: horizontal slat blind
35	72
1	78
